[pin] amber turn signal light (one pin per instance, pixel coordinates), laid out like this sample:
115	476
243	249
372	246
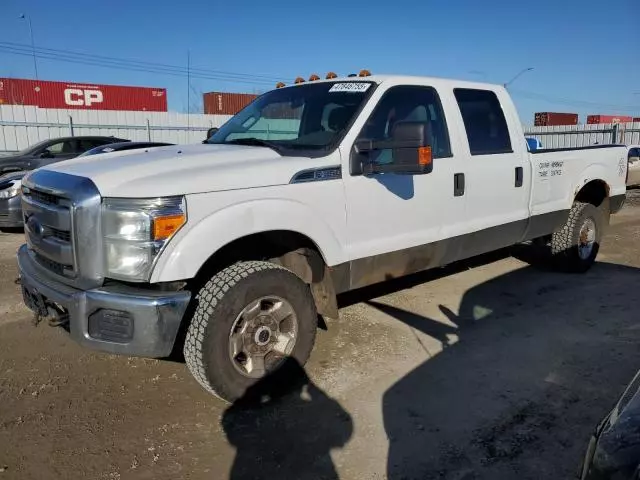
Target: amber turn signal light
424	156
164	227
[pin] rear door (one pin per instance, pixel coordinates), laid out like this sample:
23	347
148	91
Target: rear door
498	176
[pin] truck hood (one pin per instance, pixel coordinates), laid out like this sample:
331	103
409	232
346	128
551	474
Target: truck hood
181	170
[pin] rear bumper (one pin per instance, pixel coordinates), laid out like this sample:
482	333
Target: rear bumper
146	321
11	213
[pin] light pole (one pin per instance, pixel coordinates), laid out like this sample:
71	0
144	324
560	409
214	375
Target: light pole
521	72
33	44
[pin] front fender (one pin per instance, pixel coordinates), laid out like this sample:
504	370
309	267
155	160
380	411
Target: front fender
193	246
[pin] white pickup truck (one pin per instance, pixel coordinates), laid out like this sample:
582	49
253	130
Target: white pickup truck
231	249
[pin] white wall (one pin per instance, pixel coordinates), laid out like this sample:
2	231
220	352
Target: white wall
21	126
584	135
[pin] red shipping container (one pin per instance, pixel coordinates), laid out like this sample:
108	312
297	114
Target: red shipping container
597	119
85	96
226	103
636	119
546	119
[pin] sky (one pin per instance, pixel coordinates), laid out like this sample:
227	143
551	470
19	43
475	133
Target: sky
585	54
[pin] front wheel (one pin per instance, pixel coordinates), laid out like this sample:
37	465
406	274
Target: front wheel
575	246
248	319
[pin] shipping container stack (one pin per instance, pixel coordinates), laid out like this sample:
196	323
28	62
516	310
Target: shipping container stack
84	96
599	119
226	103
548	119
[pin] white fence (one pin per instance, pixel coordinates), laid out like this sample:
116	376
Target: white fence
21	126
584	135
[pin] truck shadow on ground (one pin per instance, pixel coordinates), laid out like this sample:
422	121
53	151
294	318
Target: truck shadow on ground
539	359
288	435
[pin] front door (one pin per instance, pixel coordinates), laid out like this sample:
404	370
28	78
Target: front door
55	152
397	222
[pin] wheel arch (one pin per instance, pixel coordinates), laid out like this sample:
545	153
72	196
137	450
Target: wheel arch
594	191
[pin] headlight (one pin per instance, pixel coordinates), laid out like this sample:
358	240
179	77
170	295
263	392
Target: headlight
135	231
11	191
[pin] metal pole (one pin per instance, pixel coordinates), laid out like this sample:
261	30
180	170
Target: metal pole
188	89
148	130
71	126
33	43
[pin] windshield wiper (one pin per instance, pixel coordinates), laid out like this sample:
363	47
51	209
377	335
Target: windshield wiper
252	142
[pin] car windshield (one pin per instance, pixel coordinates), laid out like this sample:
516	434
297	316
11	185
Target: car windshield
313	116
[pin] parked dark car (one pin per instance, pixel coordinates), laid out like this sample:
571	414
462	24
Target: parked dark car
10	183
614	449
118	147
10	207
50	151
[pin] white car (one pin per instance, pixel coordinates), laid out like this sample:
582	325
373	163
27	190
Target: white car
633	178
311	190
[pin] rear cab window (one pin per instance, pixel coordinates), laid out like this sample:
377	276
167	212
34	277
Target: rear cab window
484	121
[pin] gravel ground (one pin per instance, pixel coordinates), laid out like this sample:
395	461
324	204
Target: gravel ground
491	369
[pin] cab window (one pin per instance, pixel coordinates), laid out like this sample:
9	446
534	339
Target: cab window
408	103
484	121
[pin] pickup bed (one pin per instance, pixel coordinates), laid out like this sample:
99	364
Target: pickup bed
230	249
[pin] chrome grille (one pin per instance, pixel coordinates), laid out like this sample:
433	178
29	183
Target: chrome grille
48	231
55	267
62	226
63	235
42	197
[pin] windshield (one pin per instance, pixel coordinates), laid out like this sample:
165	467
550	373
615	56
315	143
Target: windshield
314	116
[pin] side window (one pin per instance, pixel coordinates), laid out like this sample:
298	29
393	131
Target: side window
408	103
56	148
87	144
484	121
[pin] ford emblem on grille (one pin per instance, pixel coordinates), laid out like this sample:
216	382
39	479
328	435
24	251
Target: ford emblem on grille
35	227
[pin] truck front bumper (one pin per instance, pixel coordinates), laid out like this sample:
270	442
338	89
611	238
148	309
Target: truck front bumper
117	319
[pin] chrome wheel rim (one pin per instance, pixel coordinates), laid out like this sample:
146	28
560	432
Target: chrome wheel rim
262	336
587	239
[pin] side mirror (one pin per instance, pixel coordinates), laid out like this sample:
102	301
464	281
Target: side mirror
46	154
411	150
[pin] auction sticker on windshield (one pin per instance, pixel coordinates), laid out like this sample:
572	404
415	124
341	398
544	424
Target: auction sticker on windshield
355	87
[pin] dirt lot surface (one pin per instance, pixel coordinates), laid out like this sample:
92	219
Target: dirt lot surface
497	371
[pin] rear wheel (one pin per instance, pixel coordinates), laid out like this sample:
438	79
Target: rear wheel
575	246
248	319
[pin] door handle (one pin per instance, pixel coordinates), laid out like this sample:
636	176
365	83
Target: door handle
519	176
458	184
